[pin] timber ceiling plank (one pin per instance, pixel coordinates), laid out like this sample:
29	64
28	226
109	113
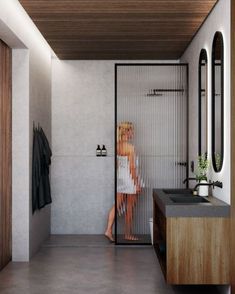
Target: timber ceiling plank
117	29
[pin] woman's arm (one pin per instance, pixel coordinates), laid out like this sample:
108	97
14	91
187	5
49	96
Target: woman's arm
132	161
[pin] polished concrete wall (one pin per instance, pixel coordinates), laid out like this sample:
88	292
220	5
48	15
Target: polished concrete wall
82	117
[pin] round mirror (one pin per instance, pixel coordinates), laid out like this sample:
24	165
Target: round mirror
202	103
217	102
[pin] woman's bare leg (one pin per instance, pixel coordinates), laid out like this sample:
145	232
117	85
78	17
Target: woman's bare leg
111	216
131	201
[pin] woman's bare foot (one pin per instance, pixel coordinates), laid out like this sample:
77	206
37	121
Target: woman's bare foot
131	238
109	236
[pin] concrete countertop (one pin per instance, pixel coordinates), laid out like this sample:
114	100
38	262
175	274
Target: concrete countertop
216	207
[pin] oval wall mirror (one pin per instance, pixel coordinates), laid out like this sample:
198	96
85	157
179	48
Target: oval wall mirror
217	101
202	103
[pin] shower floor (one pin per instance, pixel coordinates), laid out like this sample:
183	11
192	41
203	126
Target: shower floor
77	241
91	241
142	239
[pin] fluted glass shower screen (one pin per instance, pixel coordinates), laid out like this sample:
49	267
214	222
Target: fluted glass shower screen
151	142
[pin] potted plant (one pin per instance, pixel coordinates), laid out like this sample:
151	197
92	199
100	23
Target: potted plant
201	174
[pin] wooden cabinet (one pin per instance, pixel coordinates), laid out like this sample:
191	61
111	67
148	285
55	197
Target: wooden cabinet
192	250
159	237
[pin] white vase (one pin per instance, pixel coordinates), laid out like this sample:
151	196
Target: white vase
203	190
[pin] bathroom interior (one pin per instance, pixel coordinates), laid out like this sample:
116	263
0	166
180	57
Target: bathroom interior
136	101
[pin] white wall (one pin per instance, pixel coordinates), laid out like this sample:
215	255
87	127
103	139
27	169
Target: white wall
40	112
218	20
31	101
20	155
82	117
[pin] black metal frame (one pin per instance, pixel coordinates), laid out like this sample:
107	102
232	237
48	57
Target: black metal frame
187	127
213	64
115	135
203	53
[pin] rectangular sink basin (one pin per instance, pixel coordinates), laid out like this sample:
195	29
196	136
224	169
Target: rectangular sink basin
189	199
177	191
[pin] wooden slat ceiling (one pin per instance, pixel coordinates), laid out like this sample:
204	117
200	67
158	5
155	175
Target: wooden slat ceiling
118	29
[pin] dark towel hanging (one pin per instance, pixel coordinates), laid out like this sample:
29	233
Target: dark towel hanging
41	191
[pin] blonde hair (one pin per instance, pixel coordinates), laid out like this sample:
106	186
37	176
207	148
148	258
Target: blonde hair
122	128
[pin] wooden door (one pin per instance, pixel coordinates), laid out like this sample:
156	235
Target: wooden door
5	154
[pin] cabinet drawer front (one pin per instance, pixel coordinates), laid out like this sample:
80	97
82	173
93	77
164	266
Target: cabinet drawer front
198	250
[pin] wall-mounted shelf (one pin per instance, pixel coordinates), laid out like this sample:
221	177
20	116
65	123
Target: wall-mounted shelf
159	92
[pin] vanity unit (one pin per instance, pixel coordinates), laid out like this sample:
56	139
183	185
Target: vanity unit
191	237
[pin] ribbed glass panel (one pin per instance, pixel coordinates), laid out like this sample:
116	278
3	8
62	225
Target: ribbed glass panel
151	121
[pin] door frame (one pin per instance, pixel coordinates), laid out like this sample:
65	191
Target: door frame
232	215
5	154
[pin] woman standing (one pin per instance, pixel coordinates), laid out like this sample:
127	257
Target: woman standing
128	184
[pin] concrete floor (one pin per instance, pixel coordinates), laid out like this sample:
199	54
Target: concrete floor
90	264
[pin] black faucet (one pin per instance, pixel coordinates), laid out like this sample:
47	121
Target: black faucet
189	179
213	184
218	184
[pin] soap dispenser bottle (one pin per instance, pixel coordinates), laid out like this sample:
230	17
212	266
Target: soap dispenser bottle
98	151
103	151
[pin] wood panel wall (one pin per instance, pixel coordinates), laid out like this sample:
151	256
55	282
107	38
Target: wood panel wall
5	154
117	29
232	232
